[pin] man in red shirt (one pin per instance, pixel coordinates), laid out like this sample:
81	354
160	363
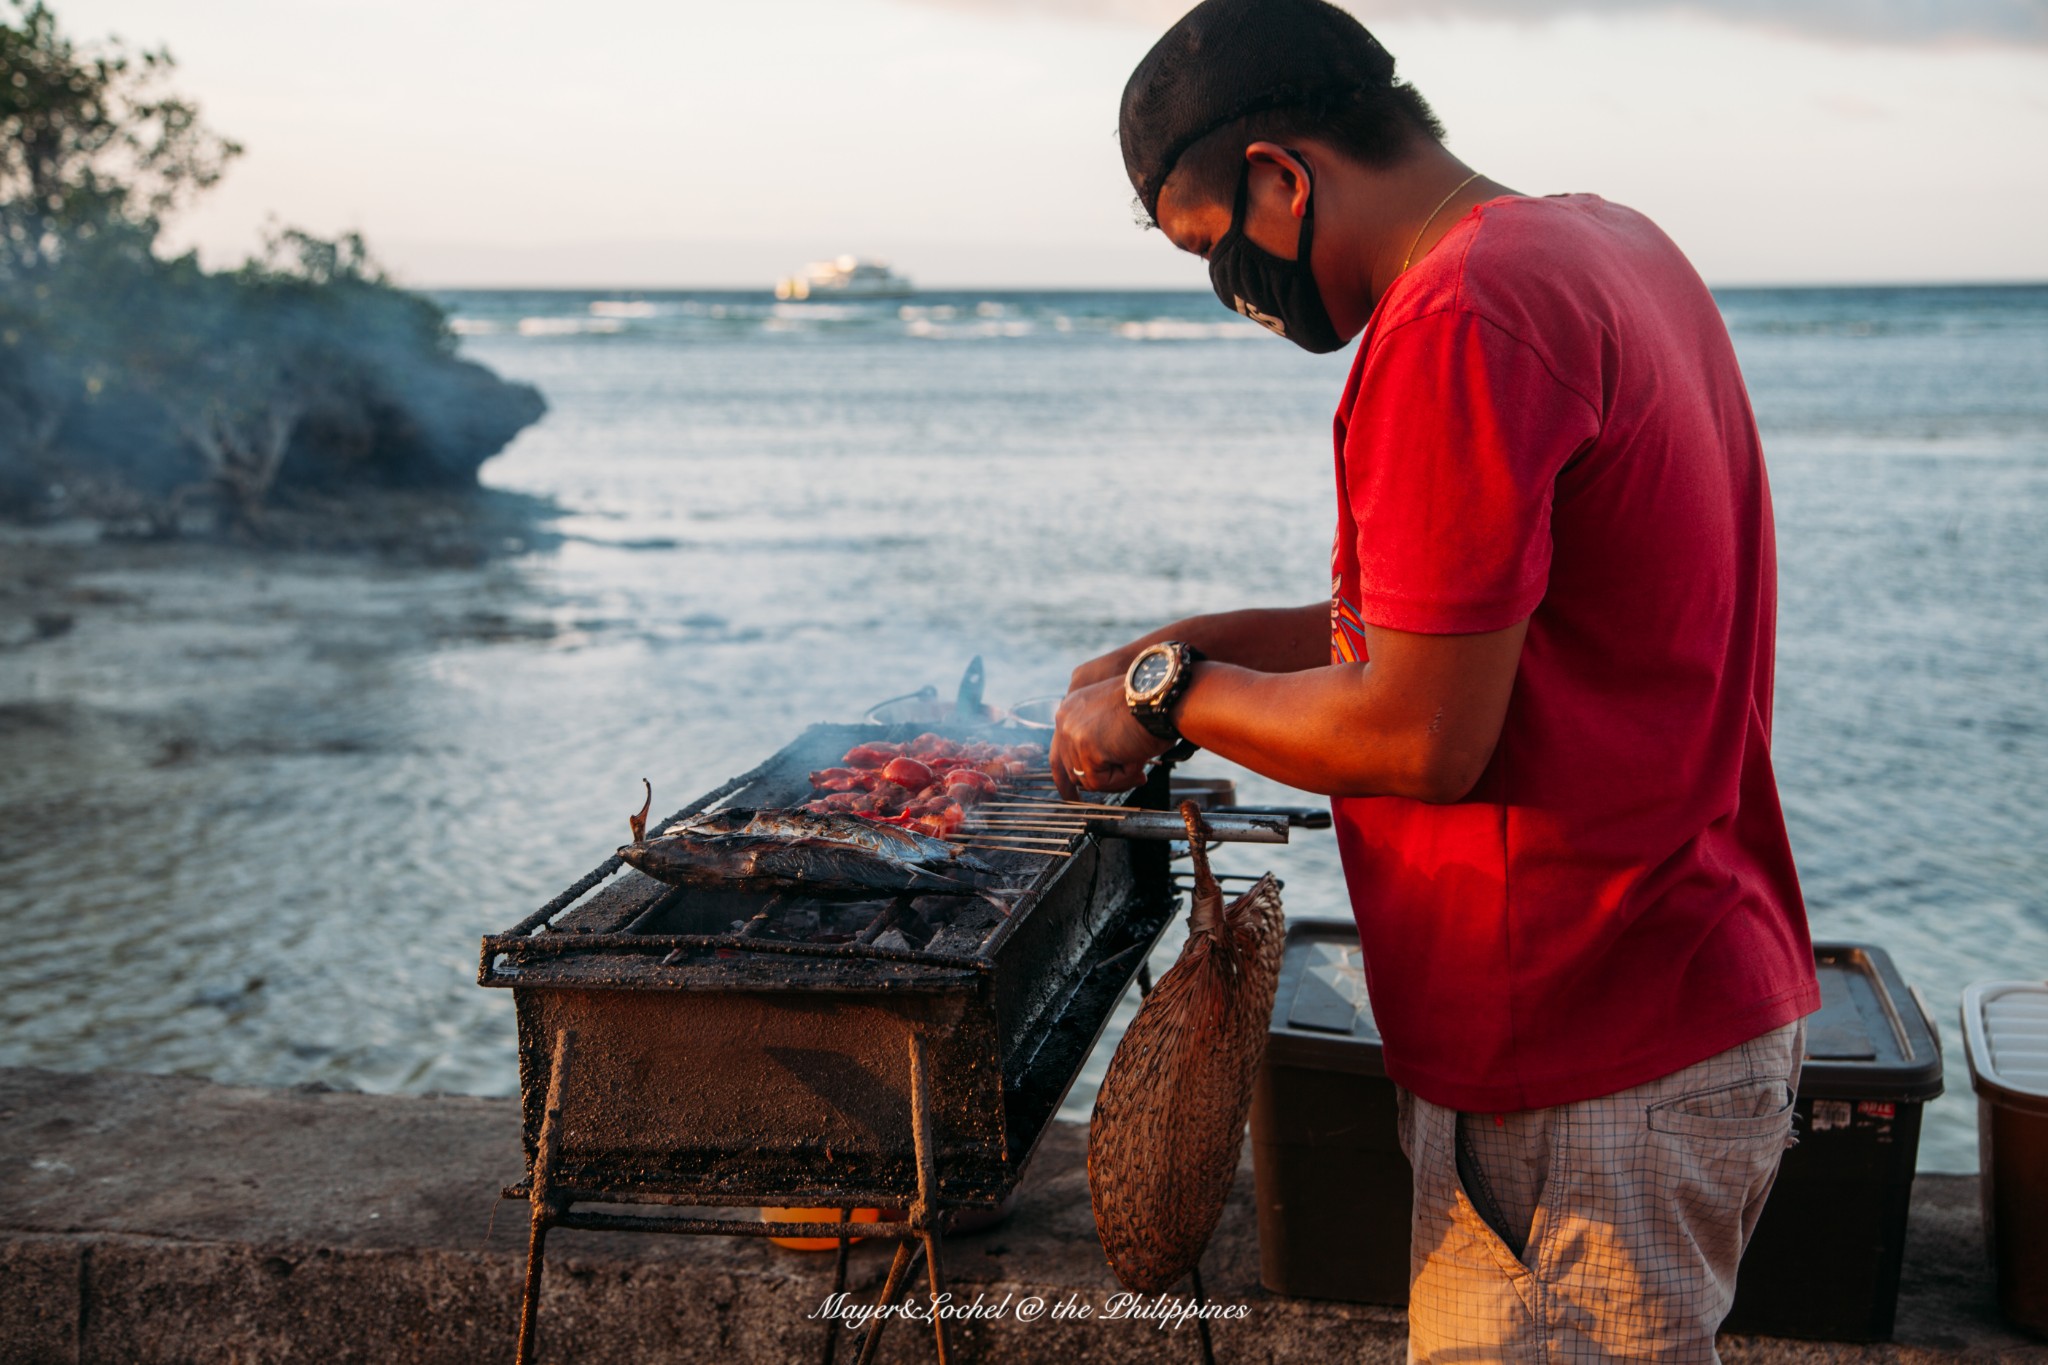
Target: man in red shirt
1540	692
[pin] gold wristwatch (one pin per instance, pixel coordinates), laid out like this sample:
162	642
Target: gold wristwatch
1154	683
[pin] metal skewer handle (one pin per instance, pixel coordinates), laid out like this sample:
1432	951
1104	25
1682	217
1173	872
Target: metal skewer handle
1225	829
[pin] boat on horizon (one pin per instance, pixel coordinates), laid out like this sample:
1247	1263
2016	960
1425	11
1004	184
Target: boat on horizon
843	277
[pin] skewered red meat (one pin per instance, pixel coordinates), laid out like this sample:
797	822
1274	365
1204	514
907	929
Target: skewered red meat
843	779
926	785
972	780
908	772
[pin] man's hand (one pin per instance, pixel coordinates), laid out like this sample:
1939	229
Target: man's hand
1104	667
1097	744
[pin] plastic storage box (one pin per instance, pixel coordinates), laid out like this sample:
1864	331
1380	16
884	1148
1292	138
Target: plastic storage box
1332	1186
2005	1036
1334	1191
1824	1261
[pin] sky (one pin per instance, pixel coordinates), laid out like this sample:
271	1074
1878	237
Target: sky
675	143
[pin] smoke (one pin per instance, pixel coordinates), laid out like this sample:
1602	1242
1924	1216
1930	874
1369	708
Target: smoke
2022	23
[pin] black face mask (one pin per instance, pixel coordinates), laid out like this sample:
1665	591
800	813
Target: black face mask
1280	295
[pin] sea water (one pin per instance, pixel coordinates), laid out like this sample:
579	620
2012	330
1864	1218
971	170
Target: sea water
777	514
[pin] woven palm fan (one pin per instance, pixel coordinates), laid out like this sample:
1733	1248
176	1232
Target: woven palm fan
1169	1118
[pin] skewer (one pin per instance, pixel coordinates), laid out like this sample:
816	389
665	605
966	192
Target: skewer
1060	800
1022	811
1006	848
963	836
1096	810
1051	827
1082	817
1035	810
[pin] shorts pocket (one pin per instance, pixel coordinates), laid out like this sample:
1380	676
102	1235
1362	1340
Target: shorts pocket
1755	1108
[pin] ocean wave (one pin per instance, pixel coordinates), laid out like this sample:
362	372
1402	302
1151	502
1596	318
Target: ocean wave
1181	329
719	312
562	327
817	312
472	327
621	308
967	331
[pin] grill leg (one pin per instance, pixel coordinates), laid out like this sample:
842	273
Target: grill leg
832	1327
927	1215
529	1306
938	1283
542	1193
899	1274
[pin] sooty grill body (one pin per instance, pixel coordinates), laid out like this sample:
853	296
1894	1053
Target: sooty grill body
737	1047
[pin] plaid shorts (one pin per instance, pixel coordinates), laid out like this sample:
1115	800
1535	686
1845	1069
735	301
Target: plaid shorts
1609	1229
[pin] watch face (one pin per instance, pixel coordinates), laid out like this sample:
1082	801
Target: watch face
1151	674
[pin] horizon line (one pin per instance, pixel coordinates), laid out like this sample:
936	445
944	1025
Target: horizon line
769	289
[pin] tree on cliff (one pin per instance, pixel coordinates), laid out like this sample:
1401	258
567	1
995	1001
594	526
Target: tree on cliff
90	142
132	384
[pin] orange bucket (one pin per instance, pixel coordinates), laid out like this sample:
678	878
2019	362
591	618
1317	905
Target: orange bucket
815	1216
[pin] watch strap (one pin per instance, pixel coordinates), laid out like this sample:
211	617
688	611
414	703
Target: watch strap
1157	717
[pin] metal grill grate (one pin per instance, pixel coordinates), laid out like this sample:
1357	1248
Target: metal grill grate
617	911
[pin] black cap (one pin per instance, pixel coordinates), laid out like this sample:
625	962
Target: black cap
1229	58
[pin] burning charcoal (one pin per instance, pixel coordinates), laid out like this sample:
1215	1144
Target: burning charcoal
957	912
850	917
966	925
956	941
914	926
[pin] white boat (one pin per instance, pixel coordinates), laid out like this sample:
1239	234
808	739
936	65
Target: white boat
846	277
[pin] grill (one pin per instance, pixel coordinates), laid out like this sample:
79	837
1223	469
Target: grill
691	1047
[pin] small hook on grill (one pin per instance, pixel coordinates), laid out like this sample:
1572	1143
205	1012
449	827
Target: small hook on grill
638	823
1205	911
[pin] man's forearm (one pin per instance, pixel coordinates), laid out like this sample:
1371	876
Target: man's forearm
1317	731
1421	721
1269	639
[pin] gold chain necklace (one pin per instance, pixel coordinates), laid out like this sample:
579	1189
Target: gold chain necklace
1432	218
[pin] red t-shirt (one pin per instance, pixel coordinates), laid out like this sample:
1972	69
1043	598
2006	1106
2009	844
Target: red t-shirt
1546	420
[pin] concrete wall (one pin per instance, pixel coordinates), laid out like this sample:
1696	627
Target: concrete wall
149	1219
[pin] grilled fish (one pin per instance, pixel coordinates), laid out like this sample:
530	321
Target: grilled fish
820	855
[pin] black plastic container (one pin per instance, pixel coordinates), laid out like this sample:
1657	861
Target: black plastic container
1824	1262
2005	1035
1334	1191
